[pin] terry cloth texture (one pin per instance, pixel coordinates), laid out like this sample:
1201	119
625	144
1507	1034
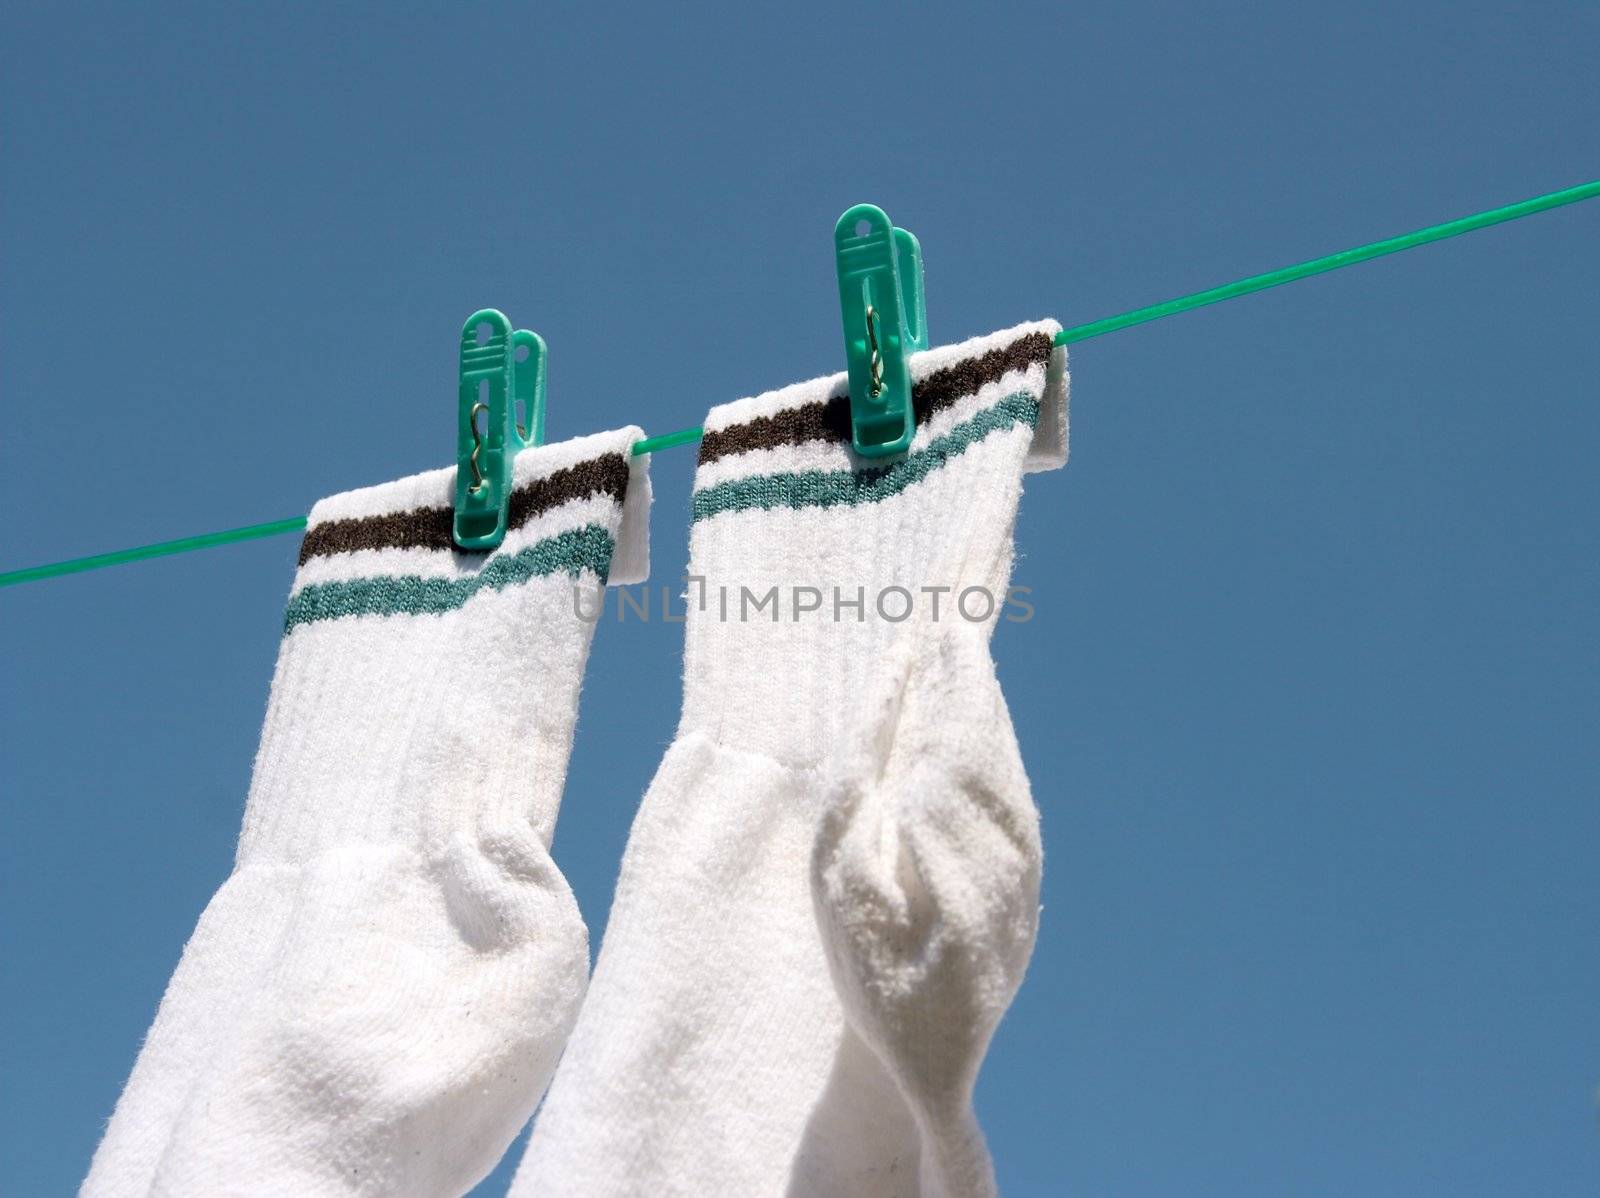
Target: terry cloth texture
374	1000
775	1010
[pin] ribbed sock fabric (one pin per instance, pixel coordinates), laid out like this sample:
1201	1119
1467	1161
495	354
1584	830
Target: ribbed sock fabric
374	1000
723	1047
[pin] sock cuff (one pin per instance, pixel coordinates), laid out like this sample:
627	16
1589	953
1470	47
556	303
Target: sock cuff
807	560
808	424
576	506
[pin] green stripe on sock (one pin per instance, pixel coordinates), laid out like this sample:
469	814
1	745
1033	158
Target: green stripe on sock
570	552
850	488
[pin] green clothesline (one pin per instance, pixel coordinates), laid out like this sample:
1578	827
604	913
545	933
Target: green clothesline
1082	332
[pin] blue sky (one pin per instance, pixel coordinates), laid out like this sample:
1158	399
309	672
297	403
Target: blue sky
1310	696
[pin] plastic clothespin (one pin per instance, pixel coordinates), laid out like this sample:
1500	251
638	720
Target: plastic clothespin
508	396
885	320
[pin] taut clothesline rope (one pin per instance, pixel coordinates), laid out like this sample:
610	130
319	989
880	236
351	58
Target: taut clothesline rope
1082	332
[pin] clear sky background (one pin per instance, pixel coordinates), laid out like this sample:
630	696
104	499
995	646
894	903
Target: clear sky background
1310	701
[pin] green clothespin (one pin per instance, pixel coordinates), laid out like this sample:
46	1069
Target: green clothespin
885	320
501	411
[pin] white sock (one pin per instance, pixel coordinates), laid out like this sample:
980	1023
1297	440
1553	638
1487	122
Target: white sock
925	877
713	1054
374	1000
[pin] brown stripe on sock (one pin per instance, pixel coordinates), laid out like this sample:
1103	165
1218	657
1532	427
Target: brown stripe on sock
433	527
606	475
829	419
420	528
